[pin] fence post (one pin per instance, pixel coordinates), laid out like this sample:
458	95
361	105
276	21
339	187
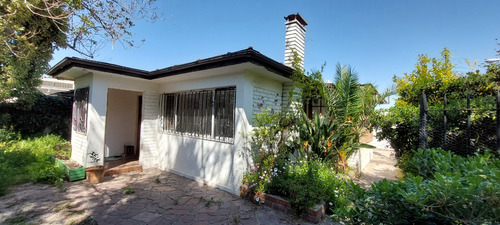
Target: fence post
498	122
422	132
444	122
468	124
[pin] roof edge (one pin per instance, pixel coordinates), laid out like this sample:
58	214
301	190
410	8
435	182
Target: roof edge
231	58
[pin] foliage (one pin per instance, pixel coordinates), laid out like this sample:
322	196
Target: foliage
455	190
304	183
48	115
400	126
29	160
304	159
31	30
27	43
334	135
431	76
309	84
426	163
94	156
400	123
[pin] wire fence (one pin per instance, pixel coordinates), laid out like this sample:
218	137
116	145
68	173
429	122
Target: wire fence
463	126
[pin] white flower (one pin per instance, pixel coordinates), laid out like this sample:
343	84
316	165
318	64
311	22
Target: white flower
257	199
331	204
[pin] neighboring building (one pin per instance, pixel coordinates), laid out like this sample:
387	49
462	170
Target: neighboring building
187	119
52	86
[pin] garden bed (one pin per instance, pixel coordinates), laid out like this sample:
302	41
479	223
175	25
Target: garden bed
315	215
72	169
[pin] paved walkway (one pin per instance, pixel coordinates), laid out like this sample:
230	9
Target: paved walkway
381	167
158	198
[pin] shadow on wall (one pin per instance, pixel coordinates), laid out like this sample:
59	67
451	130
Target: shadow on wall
216	163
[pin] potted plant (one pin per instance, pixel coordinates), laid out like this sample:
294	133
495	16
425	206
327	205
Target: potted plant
95	174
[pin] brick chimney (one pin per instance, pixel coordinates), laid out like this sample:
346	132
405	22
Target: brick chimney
295	38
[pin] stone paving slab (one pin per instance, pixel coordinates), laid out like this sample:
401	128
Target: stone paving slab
172	200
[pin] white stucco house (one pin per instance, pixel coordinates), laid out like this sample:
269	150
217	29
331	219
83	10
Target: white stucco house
187	119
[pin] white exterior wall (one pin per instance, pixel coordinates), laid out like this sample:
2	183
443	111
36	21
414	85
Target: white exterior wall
215	163
149	154
79	141
360	158
267	95
94	140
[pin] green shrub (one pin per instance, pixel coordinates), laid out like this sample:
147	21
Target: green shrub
427	162
454	190
398	125
304	183
48	115
28	160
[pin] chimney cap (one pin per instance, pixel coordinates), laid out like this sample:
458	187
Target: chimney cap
297	17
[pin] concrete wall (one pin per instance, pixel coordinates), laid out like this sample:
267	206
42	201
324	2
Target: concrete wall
121	120
360	159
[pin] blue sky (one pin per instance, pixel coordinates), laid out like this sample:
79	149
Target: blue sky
378	38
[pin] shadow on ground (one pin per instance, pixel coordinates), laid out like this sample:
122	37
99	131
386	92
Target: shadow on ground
381	167
150	197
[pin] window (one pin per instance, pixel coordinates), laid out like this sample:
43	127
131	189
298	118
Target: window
315	104
80	110
224	114
206	114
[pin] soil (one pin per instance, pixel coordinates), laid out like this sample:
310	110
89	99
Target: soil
72	164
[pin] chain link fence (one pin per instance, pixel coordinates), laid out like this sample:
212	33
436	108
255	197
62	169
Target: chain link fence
464	126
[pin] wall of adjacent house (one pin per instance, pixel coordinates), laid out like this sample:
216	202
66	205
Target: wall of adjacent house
121	122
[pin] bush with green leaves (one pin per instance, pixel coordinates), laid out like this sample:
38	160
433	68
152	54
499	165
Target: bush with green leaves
427	162
435	78
304	183
29	160
400	126
454	190
48	115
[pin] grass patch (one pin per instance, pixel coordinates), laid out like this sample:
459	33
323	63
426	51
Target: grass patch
23	161
129	191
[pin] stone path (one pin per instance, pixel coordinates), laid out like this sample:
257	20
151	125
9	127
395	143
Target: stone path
150	197
381	167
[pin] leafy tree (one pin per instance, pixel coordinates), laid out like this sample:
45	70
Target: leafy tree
436	79
431	75
30	31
